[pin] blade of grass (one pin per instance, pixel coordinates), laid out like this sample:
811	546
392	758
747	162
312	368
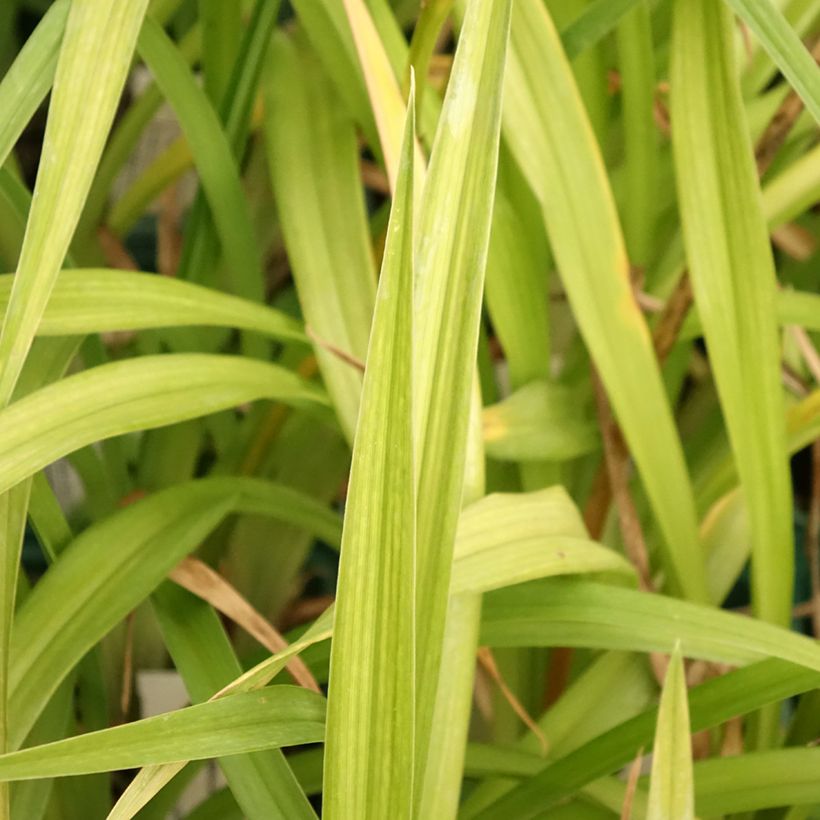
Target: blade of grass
245	722
710	704
314	170
575	612
593	24
671	790
547	129
91	588
641	146
732	274
101	300
372	688
779	39
28	80
134	394
95	55
212	155
450	259
262	782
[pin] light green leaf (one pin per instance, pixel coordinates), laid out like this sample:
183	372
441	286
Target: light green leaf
28	80
314	170
732	274
262	782
101	300
549	133
516	288
671	791
134	394
451	252
371	708
94	59
382	87
597	20
571	612
92	587
766	20
505	539
245	722
749	782
213	157
542	420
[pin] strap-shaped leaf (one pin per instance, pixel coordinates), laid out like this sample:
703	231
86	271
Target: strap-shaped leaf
670	789
574	612
134	394
92	587
732	273
212	155
549	133
314	170
101	300
371	709
451	251
95	56
29	78
262	783
766	20
241	723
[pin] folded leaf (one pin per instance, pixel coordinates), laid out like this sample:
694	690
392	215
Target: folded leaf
670	790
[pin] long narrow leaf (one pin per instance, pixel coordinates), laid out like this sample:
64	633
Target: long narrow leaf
671	791
371	709
451	254
784	46
733	277
134	394
245	722
548	131
101	300
95	56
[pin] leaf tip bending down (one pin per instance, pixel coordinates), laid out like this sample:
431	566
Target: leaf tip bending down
671	792
371	707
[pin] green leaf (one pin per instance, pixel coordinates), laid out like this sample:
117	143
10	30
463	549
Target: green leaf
749	782
547	128
28	80
597	20
766	20
732	274
134	394
213	157
574	612
505	539
371	707
101	300
314	170
516	286
671	791
246	722
94	59
451	251
542	420
92	587
712	703
262	783
382	88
